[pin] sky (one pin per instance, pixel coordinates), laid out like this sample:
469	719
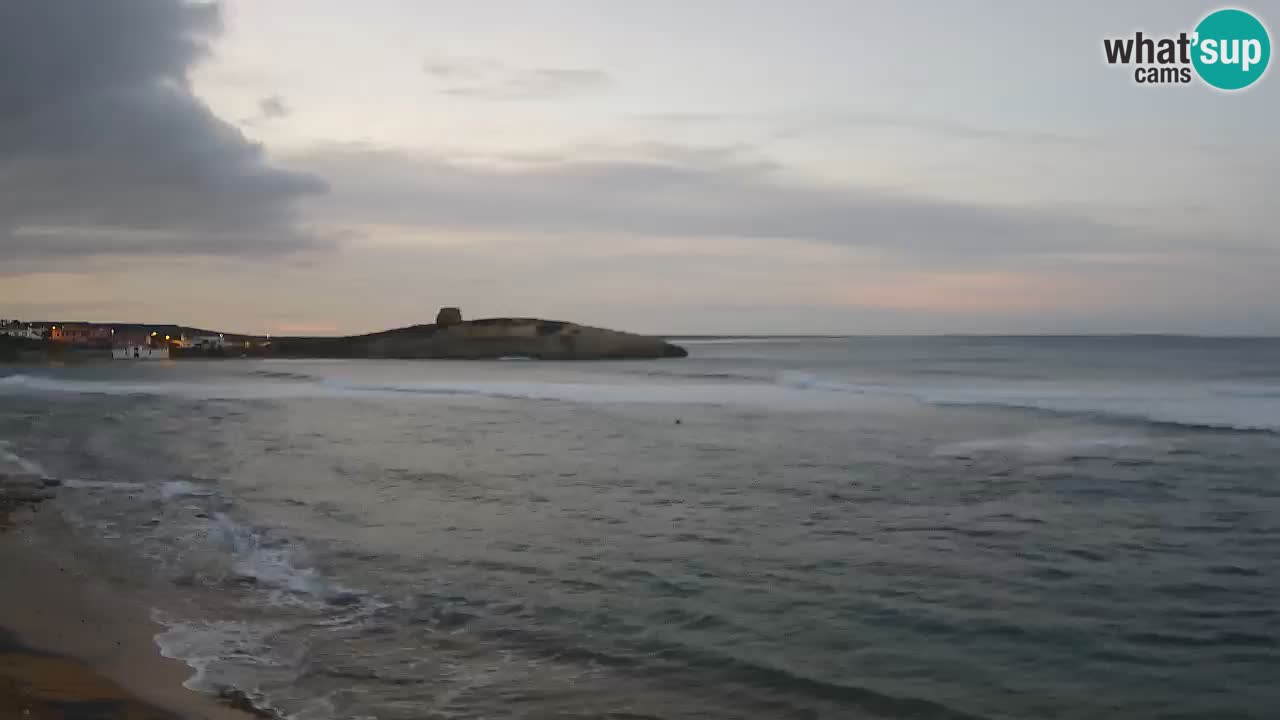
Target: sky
673	167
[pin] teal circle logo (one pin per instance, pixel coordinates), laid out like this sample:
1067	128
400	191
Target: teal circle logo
1232	49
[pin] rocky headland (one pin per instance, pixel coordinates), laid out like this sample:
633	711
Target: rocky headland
490	338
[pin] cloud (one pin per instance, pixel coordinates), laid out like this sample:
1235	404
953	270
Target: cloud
488	80
673	192
272	107
105	150
820	122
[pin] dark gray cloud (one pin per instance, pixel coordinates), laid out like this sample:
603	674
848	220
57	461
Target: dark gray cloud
104	149
674	192
272	107
488	80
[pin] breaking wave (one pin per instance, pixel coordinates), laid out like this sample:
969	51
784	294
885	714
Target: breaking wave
1220	406
7	456
1190	405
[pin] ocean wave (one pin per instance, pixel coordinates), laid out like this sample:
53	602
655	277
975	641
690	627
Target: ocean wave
284	375
235	660
265	655
808	381
1189	405
667	393
183	488
9	457
1188	408
1043	444
674	659
694	374
671	393
1248	390
276	565
116	485
202	644
262	604
1194	405
245	390
196	537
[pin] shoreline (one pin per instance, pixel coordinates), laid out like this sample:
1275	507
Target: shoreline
73	644
44	686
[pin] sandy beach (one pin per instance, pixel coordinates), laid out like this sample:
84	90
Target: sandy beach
71	646
52	687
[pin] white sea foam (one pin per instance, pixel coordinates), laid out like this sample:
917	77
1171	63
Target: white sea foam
808	381
204	645
271	563
23	464
240	655
243	641
1238	407
1227	406
1046	444
774	396
246	645
579	392
278	566
245	390
742	394
183	488
1248	390
102	485
1190	405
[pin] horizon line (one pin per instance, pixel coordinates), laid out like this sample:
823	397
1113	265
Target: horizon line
745	336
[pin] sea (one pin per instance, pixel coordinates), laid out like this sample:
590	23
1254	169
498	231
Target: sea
940	528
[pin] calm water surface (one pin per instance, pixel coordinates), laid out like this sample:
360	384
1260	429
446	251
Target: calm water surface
1073	528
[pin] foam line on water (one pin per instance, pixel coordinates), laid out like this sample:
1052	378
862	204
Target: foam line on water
16	460
102	485
1042	444
1191	404
756	394
172	489
1188	406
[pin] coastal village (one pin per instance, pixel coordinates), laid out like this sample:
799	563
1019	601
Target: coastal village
130	341
449	337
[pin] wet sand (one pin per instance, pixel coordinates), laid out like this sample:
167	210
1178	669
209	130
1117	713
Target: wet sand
43	686
71	646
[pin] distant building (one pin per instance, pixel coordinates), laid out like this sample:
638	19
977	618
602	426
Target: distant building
135	343
14	328
133	336
209	342
142	351
448	316
81	334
